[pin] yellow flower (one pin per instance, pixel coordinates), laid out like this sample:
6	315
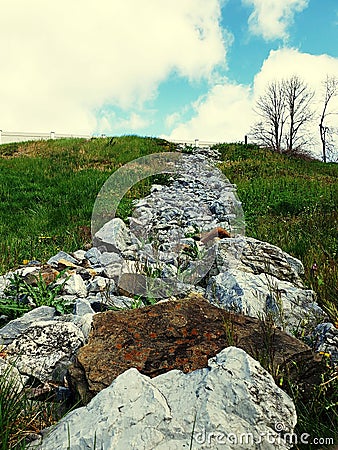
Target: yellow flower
25	261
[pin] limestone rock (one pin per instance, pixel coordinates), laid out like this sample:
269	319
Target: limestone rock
54	260
46	349
75	286
233	396
113	236
325	337
180	334
256	278
18	326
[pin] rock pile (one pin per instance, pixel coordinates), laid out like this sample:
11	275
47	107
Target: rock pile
186	238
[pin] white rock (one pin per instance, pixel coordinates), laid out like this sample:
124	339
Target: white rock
75	286
18	326
46	349
233	397
113	236
256	294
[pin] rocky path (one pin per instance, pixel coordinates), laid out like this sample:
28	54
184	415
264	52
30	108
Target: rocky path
185	238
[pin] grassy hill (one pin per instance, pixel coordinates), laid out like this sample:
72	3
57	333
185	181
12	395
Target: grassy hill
48	188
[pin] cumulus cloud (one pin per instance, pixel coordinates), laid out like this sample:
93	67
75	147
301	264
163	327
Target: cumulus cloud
226	113
62	61
271	18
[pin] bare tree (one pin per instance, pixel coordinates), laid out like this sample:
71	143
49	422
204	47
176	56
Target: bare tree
326	132
298	99
285	110
271	108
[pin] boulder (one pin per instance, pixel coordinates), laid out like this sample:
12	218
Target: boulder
179	334
256	278
46	349
113	236
233	403
16	327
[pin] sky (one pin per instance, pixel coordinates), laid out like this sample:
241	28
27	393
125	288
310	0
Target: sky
179	69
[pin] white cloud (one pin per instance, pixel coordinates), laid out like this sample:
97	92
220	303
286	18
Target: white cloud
224	115
61	61
271	18
226	112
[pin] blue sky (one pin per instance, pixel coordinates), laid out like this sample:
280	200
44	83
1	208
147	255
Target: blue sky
182	69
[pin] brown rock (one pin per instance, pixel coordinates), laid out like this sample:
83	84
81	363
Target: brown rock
180	334
217	232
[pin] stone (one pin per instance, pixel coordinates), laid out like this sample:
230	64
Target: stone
113	236
54	260
292	308
179	334
93	256
251	255
46	349
79	255
256	278
75	286
19	326
209	408
325	340
82	307
99	284
107	258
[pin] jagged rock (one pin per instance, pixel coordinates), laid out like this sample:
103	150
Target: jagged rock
171	335
99	284
325	339
82	307
233	396
79	255
18	326
54	260
251	255
257	278
93	256
113	236
46	349
75	286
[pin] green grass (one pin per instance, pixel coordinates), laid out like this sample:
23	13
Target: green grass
48	188
290	203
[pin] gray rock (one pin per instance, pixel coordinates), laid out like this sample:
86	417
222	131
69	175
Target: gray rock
53	261
82	307
108	258
93	256
113	271
79	255
99	284
325	339
18	326
256	295
251	255
113	236
46	349
208	408
75	286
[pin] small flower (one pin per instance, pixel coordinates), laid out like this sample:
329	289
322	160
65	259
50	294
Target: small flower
25	261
